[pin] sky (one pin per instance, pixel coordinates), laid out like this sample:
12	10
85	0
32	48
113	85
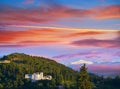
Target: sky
71	32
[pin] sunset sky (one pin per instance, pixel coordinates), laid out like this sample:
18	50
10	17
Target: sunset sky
71	32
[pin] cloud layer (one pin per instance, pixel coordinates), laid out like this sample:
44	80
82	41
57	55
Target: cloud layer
37	27
37	35
97	43
10	15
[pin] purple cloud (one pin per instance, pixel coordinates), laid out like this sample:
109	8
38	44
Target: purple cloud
115	43
85	54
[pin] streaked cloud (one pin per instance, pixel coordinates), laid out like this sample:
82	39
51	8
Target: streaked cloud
97	43
81	62
65	31
105	68
38	35
101	68
91	54
111	62
41	15
10	45
107	12
28	1
12	16
38	43
117	54
27	37
86	33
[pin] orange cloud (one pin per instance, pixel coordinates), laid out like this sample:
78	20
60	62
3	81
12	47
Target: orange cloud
86	33
38	43
36	35
27	36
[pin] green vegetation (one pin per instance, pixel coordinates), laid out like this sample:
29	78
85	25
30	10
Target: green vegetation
106	83
12	74
83	79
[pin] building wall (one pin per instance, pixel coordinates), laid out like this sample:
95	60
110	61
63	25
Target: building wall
38	76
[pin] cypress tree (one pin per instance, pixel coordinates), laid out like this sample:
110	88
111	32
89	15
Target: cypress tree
83	79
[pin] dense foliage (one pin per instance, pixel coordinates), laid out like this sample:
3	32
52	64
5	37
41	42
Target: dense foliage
105	83
12	75
83	79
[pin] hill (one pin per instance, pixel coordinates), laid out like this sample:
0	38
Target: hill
13	68
12	74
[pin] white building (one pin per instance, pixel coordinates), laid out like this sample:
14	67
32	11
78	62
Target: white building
4	61
37	76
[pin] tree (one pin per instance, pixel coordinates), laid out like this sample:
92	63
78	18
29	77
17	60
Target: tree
83	79
1	86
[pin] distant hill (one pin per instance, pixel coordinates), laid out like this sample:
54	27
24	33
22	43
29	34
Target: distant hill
12	74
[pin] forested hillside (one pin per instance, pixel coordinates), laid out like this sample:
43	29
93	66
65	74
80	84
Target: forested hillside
12	74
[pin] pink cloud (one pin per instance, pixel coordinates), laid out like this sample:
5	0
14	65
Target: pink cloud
115	43
10	15
85	54
107	12
11	45
117	54
28	1
101	68
87	33
104	68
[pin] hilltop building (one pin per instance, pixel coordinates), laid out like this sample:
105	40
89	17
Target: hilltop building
37	76
4	61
